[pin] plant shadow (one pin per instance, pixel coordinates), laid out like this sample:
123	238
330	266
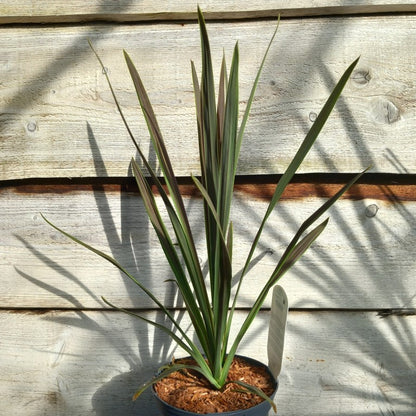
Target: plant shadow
114	398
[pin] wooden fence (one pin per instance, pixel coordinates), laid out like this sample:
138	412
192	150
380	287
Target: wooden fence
351	336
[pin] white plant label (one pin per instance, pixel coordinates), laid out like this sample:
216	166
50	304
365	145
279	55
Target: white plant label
277	328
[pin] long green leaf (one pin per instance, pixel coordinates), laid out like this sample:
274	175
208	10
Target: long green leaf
229	142
208	108
156	132
121	268
209	145
320	211
170	252
218	139
288	175
189	347
303	150
182	230
295	253
156	135
231	151
300	249
155	179
221	101
295	250
223	274
292	253
210	204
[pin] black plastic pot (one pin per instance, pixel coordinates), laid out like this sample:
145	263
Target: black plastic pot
262	409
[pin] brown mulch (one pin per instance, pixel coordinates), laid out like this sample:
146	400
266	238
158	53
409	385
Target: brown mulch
190	391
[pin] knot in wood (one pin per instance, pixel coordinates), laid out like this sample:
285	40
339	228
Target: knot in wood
31	126
313	116
361	77
371	210
385	111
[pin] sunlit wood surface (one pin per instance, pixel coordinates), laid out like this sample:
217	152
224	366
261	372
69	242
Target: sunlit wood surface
351	335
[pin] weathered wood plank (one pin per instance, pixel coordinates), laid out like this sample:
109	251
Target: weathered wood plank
52	11
89	363
365	259
58	119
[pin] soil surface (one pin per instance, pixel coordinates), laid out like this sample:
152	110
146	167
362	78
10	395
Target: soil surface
190	391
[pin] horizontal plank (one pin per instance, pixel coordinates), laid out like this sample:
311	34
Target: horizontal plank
52	11
365	259
90	363
58	119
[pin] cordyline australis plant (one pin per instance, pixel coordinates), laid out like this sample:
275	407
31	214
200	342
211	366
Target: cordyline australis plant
208	300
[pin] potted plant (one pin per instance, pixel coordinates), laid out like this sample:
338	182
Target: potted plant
213	364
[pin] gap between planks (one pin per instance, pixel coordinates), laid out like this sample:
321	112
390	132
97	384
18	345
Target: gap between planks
382	313
389	188
218	15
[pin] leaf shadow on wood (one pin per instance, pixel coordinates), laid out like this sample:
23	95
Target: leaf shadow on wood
114	397
372	360
366	368
370	247
112	394
69	57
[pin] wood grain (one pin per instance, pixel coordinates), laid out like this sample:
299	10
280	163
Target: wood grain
365	258
89	363
58	119
52	11
351	333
